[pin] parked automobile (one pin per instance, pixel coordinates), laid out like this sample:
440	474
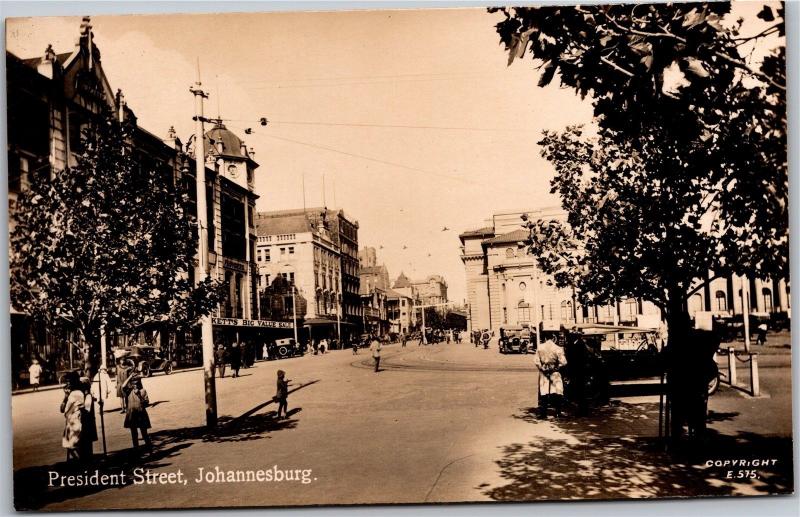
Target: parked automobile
515	339
287	347
149	359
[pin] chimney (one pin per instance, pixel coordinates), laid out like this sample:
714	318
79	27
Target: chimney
48	65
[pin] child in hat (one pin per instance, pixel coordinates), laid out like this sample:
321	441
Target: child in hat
282	393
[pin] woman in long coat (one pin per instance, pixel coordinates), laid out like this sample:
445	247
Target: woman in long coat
74	400
549	359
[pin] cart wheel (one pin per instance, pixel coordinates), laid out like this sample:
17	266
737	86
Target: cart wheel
283	351
168	368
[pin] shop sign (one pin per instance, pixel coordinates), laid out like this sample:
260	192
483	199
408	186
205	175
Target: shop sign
238	322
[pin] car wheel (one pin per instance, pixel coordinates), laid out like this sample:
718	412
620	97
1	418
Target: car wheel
713	385
168	368
146	371
283	351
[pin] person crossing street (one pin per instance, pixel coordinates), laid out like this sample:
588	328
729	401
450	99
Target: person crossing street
375	348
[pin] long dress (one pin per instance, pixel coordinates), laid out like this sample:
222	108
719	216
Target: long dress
549	358
73	424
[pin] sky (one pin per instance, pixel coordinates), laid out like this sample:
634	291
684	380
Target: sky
462	126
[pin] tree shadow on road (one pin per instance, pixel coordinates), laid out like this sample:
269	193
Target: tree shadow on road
31	485
616	454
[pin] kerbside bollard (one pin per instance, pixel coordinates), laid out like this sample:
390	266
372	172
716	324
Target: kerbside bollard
755	387
732	366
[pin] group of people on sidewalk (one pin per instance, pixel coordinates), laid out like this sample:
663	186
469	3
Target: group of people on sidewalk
81	396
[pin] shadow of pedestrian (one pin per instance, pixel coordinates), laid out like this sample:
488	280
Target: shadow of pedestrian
32	489
616	454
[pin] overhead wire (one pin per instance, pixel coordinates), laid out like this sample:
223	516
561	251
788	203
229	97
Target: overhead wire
368	158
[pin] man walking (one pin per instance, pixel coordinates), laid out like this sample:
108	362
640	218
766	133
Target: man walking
220	357
375	348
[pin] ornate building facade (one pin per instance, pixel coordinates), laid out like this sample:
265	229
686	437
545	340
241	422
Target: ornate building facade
505	287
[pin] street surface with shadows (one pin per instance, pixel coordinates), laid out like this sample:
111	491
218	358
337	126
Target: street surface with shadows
615	453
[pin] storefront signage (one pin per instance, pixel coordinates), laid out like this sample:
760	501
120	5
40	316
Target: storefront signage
237	322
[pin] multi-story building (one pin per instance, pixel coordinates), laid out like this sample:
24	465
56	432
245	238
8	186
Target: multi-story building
301	249
51	100
505	287
399	312
367	257
373	277
431	290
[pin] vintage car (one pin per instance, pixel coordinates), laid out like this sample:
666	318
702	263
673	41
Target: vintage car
516	339
286	347
148	359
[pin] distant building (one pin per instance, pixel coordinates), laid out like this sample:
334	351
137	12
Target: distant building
367	257
399	312
429	291
301	250
373	276
505	287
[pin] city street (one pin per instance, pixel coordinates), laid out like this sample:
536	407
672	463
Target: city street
441	423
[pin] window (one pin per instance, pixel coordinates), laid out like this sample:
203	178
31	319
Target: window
505	315
522	286
283	251
291	250
722	301
767	294
510	253
566	310
266	255
523	312
258	255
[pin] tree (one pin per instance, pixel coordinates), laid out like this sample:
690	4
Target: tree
685	171
107	245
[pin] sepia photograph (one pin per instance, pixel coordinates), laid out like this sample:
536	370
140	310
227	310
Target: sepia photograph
399	256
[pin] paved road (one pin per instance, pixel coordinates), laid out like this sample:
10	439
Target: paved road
440	423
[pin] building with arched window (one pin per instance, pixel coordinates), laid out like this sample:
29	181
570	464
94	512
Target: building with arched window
505	287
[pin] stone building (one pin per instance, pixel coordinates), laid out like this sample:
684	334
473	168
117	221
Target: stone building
51	100
505	287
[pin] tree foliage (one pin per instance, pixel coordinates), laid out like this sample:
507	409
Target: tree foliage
686	169
107	243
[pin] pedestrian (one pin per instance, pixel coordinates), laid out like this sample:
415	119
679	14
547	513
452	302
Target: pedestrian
403	339
761	338
282	394
219	357
71	406
124	367
323	345
549	359
375	348
136	417
236	358
88	433
355	347
35	373
265	352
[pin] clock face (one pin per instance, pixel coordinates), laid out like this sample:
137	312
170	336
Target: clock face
233	171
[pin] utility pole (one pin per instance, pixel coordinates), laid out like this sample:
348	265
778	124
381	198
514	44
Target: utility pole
201	273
